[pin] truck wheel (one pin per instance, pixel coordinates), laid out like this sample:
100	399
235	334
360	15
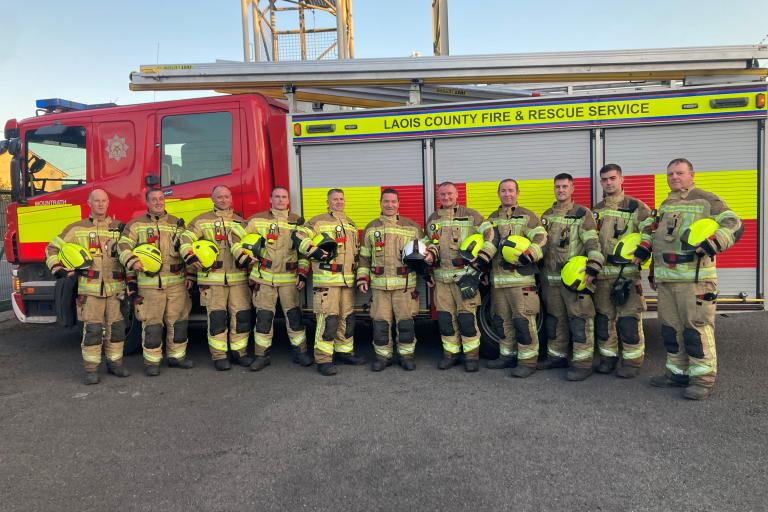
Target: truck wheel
132	336
489	340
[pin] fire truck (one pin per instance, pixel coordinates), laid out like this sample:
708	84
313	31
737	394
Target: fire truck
252	142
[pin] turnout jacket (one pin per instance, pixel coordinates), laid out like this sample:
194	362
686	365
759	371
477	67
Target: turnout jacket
513	220
279	262
571	231
164	232
446	229
381	253
340	271
215	226
617	216
106	276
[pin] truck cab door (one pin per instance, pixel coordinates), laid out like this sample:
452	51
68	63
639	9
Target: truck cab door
198	148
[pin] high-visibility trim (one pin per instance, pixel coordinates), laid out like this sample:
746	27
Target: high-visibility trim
554	353
92	356
44	222
451	346
188	209
505	351
470	344
153	355
178	353
382	351
634	353
239	343
326	347
217	344
406	349
582	355
344	346
511	279
529	351
608	352
675	369
298	340
262	340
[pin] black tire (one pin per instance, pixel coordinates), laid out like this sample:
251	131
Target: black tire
489	340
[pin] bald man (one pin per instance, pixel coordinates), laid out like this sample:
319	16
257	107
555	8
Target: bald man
100	287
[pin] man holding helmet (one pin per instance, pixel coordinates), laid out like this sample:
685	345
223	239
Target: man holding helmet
691	228
519	239
330	240
619	301
268	245
224	292
460	262
386	249
149	249
89	248
572	260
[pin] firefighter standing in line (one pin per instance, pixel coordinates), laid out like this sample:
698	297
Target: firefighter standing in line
456	282
160	298
619	302
685	275
224	288
277	273
393	283
571	232
330	240
100	288
514	297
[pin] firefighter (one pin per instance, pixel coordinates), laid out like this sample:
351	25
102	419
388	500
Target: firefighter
394	294
277	273
100	287
149	249
224	288
685	276
330	240
619	301
571	232
514	296
457	280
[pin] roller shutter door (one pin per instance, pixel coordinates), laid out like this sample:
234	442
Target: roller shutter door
725	157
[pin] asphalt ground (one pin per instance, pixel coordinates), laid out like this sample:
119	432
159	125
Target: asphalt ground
290	439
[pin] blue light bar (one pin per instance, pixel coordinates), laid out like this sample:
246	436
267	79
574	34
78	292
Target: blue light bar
61	105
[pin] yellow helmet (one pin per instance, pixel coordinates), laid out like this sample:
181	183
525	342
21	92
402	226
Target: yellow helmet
74	257
698	232
150	257
207	253
512	247
625	249
252	244
325	242
471	246
574	273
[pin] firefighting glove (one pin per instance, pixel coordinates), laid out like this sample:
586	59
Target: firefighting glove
642	252
524	259
190	259
133	292
60	273
620	291
318	254
481	262
709	246
244	261
469	283
302	278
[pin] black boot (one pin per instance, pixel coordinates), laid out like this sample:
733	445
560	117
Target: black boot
627	372
471	365
379	364
408	364
152	370
302	358
522	371
326	369
607	365
185	363
552	362
349	358
448	362
91	378
502	362
260	363
245	360
222	364
669	380
576	373
118	370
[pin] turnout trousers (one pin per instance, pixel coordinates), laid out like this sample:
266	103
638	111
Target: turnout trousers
265	299
514	320
570	316
334	309
619	328
456	321
167	307
687	315
229	318
401	305
102	320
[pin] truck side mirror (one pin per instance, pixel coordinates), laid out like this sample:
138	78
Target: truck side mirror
152	180
14	146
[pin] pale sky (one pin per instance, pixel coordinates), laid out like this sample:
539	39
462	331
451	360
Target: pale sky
84	50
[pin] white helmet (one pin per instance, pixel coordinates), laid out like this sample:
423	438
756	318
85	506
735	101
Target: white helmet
414	253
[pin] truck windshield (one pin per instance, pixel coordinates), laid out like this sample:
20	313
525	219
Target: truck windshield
56	158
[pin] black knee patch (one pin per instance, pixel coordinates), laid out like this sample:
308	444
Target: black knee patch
405	331
627	330
466	323
522	331
180	331
243	321
93	334
578	328
445	323
264	319
498	326
669	337
295	321
380	332
349	331
153	335
601	327
550	324
117	332
692	340
217	322
331	326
